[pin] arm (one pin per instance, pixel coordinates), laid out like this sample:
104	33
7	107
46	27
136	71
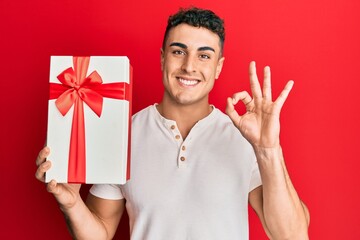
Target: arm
289	216
277	204
97	219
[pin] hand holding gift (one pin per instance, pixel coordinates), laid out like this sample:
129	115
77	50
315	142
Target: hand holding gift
65	194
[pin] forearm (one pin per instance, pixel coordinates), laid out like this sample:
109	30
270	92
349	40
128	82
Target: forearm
82	223
284	213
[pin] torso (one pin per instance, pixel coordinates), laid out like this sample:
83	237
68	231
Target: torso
195	188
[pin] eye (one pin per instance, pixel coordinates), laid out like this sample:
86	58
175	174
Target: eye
204	56
178	52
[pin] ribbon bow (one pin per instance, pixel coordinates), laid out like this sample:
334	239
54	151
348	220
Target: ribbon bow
75	89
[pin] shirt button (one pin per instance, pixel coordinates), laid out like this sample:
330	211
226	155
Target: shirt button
177	136
183	148
182	158
172	127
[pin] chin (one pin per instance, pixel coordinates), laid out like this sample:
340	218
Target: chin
189	101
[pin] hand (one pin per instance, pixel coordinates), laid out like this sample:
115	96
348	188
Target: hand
260	125
66	194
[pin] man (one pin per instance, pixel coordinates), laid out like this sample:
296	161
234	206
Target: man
194	169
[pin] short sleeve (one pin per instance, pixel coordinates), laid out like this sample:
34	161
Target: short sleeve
255	180
107	191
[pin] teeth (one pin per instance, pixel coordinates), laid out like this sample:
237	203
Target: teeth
188	82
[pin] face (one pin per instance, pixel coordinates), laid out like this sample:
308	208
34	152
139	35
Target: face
190	62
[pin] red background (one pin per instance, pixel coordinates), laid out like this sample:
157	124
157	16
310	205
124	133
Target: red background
314	42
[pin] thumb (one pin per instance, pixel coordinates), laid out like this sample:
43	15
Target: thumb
231	112
52	187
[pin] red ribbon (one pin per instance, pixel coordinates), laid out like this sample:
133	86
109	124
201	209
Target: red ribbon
76	89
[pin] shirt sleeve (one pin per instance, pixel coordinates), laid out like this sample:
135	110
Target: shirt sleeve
107	191
255	180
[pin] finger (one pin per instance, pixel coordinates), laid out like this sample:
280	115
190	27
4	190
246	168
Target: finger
43	154
52	187
267	84
42	169
231	112
245	98
284	94
231	102
254	82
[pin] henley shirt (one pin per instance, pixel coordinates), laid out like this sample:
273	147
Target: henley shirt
187	189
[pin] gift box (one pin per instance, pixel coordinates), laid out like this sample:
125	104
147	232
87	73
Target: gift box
89	119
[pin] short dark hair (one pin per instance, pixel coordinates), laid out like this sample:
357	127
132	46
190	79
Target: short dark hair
197	17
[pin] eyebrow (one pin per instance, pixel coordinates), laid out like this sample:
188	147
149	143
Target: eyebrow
206	49
184	46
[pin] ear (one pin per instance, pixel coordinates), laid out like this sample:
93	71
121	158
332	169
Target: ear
162	58
219	67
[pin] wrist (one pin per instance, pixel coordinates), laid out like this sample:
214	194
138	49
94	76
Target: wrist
268	153
72	206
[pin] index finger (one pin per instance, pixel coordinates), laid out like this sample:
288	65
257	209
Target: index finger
42	156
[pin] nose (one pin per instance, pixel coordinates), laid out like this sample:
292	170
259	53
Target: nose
189	64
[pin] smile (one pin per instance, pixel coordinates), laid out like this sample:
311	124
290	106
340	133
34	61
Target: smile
187	82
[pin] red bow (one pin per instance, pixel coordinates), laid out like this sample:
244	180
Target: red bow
76	89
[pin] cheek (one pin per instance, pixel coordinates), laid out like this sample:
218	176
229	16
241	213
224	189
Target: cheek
170	66
209	72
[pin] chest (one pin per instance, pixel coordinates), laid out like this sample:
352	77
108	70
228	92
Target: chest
177	174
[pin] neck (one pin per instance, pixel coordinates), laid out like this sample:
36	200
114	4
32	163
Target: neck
186	116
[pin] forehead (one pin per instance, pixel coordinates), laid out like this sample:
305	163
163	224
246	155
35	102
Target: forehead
193	37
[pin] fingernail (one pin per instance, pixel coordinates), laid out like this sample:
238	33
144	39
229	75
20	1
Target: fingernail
52	184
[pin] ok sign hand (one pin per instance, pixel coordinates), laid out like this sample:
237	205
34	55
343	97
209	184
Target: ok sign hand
260	125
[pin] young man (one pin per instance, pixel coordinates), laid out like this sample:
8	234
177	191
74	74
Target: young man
194	169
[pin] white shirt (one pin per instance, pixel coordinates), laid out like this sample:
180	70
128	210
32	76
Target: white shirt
190	189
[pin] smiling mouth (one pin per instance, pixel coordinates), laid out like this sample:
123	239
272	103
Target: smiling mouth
188	82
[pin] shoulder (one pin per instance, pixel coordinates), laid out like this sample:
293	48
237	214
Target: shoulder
142	113
145	121
220	116
224	127
223	121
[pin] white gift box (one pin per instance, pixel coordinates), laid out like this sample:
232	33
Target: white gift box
106	158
